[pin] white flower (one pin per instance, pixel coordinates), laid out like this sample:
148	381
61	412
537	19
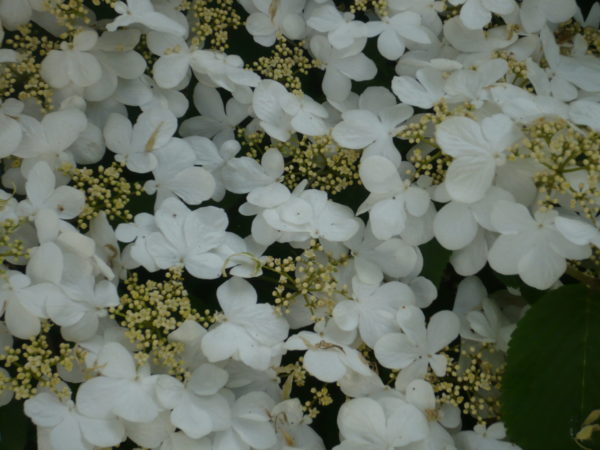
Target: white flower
374	258
341	66
72	63
11	131
14	14
134	145
49	138
176	174
214	159
273	16
251	425
477	149
398	30
298	216
121	390
23	303
530	246
374	125
42	193
342	31
245	175
251	332
137	232
536	13
372	309
68	427
142	12
476	14
424	91
280	112
392	200
217	120
329	355
216	69
380	424
481	318
196	239
417	347
457	224
484	438
197	407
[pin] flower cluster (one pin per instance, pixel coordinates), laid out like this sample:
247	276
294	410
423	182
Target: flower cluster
213	273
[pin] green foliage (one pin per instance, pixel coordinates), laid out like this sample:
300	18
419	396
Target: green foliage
552	378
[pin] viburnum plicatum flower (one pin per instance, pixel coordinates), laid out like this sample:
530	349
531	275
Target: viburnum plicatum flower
143	12
134	145
476	14
535	14
68	427
73	63
531	247
121	390
341	28
342	66
329	353
481	318
267	18
197	407
195	239
391	198
42	193
372	309
373	125
176	174
250	332
280	113
380	423
251	425
477	149
397	31
417	347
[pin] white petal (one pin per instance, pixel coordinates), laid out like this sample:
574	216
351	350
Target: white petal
116	362
170	70
324	365
469	177
459	135
454	226
395	351
541	267
379	176
442	329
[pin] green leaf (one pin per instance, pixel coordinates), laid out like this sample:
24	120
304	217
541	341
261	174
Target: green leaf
552	378
435	261
13	426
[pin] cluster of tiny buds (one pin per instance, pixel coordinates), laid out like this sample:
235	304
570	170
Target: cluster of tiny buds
308	277
563	153
11	247
472	382
211	21
106	190
379	6
287	61
150	311
34	364
22	78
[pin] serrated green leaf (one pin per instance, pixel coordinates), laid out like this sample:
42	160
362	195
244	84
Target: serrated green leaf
13	426
552	378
